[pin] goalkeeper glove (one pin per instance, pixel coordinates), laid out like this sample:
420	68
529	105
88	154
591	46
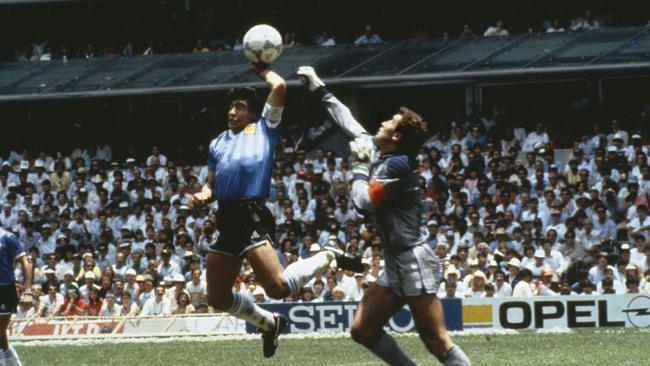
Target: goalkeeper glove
363	149
308	77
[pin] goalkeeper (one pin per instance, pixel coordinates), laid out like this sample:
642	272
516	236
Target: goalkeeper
385	188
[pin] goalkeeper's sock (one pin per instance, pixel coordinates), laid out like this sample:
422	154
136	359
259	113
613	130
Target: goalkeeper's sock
11	357
389	351
243	307
299	273
455	357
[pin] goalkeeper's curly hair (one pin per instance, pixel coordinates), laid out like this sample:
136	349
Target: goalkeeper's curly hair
413	129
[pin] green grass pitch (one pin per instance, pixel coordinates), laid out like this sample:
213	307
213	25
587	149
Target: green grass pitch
584	347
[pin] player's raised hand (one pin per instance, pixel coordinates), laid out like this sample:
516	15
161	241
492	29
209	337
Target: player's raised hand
260	68
307	76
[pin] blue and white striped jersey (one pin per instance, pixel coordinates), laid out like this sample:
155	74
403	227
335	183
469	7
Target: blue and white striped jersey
10	250
243	162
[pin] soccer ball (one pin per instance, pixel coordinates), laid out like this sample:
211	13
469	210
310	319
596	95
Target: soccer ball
262	43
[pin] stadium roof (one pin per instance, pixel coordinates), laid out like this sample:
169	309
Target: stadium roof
608	51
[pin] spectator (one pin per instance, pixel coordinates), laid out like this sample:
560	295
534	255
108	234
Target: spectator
338	294
47	54
89	278
72	305
369	37
238	46
159	305
489	290
497	30
306	295
356	290
556	27
110	309
147	52
129	308
543	286
288	40
168	267
259	294
467	32
155	153
450	291
198	48
608	287
60	179
565	288
610	274
585	22
539	137
477	286
197	288
203	308
177	282
501	287
632	286
50	302
183	305
325	40
523	287
147	290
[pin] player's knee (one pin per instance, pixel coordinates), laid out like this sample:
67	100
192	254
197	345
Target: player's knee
434	338
357	333
361	334
221	303
276	290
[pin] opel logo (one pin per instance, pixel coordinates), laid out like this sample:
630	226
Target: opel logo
638	311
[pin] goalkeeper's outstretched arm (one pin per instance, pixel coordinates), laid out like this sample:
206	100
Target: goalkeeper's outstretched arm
338	111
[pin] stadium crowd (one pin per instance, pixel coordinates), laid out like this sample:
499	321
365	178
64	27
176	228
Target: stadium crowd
48	50
119	238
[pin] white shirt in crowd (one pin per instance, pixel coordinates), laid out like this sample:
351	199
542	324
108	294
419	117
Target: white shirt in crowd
522	288
154	308
50	305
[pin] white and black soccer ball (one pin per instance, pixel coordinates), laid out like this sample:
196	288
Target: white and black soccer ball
262	43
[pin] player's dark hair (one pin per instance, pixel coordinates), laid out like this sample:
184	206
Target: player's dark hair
249	94
413	129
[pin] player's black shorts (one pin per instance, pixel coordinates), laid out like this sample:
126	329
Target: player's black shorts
243	225
8	299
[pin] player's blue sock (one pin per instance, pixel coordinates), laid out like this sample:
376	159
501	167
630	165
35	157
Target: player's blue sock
2	357
299	273
455	357
244	308
389	351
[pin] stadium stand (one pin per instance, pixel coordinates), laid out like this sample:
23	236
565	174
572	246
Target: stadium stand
583	219
606	52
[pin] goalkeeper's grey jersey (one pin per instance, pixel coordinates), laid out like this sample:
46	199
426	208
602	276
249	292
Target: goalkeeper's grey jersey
393	189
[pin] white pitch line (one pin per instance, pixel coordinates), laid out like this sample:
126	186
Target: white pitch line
247	337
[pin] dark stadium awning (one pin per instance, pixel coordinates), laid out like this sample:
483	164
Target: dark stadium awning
603	52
